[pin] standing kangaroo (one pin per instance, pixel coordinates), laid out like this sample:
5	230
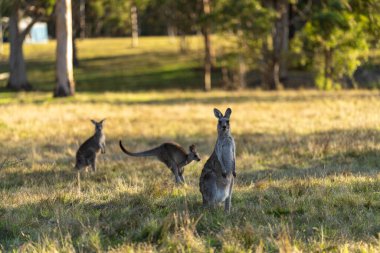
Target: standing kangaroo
172	155
217	177
88	151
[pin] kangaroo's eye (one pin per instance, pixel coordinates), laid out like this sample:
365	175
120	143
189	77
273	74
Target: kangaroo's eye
227	121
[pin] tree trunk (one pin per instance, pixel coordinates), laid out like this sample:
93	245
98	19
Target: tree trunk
242	72
207	47
172	32
267	69
226	78
75	53
18	78
1	36
135	26
182	43
328	70
283	32
64	62
77	12
275	69
82	22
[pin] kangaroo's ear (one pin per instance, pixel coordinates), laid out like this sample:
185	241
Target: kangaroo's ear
228	112
93	122
217	113
101	122
192	148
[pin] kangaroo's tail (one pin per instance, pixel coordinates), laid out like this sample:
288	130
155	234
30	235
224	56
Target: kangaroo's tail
151	152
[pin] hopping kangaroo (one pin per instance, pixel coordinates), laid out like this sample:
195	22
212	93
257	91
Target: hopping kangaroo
217	177
88	151
172	155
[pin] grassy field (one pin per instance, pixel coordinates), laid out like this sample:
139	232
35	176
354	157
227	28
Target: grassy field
308	162
112	65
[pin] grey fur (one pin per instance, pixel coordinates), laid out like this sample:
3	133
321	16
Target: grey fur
172	155
88	151
217	177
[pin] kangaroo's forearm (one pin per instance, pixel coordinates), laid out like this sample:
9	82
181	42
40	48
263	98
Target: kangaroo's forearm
221	162
182	164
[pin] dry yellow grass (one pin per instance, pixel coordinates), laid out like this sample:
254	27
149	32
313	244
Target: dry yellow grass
307	161
307	164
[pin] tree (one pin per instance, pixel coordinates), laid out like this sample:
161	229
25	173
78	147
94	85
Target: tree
136	6
181	17
114	17
371	10
251	24
65	85
79	26
207	44
189	16
135	26
4	6
337	36
275	49
36	11
108	17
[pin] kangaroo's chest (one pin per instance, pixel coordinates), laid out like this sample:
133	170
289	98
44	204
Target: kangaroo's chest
224	150
98	144
102	139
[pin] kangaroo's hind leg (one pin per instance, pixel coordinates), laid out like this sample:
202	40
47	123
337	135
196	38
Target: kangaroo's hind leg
227	202
173	166
209	190
78	182
181	171
93	163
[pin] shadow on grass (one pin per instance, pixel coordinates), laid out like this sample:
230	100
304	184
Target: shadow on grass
135	217
304	210
272	98
344	210
316	155
364	163
140	72
175	100
14	180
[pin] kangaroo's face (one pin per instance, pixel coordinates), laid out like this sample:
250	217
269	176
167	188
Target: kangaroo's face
193	155
98	125
223	121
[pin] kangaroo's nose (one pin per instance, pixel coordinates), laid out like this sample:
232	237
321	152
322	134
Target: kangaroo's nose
224	127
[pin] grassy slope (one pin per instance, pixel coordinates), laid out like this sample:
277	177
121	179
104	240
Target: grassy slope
307	163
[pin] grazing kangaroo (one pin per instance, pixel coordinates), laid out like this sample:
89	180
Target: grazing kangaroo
88	151
172	155
217	177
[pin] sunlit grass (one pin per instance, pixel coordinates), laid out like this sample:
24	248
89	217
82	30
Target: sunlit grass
307	164
307	161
